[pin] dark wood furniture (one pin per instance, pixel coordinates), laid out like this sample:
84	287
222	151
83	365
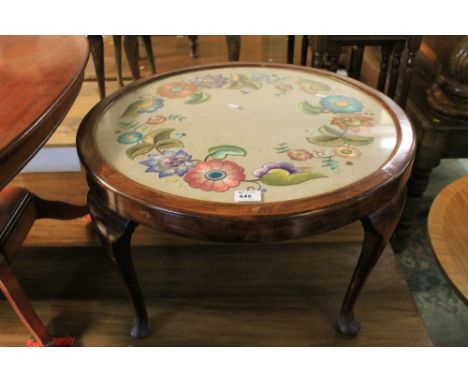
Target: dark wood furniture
121	195
327	50
304	48
41	77
448	232
438	108
130	44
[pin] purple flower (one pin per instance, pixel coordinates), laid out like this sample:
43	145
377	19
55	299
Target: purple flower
168	163
266	168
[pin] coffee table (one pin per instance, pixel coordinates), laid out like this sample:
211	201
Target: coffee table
175	151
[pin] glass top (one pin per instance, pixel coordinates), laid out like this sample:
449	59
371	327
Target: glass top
205	134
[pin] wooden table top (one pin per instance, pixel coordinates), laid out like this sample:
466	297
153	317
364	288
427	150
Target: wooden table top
448	233
291	132
40	77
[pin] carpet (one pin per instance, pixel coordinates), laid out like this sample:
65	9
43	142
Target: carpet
444	313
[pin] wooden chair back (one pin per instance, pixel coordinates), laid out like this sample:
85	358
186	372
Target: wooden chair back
327	51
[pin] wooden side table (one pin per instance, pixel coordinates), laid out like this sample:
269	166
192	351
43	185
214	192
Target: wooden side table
448	233
41	77
307	149
440	116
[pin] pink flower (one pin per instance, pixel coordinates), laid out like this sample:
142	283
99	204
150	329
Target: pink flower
347	152
215	175
300	154
156	119
354	122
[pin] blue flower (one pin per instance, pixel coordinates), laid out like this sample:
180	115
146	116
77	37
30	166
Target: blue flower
169	163
341	104
131	137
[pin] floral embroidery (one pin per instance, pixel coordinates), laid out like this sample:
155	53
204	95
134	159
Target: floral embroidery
147	105
347	152
312	87
168	163
283	88
215	175
165	150
266	168
284	174
210	81
261	77
341	104
127	138
156	119
176	90
299	154
353	122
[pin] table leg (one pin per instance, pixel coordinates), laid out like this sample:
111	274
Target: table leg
378	227
431	147
116	233
131	52
118	57
96	46
21	305
193	46
233	46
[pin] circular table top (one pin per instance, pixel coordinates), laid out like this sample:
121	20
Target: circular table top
40	78
200	134
448	233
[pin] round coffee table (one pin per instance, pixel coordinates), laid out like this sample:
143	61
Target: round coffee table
246	152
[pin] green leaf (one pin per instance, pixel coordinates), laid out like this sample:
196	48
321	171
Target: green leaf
139	149
325	140
164	144
157	135
330	131
197	98
352	139
356	140
314	85
221	152
239	81
307	108
276	179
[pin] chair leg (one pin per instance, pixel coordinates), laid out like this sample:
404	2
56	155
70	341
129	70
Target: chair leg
233	45
149	52
96	46
193	46
131	51
357	54
118	57
304	48
21	305
290	57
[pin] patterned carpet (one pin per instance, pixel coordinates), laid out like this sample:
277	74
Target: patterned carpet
445	315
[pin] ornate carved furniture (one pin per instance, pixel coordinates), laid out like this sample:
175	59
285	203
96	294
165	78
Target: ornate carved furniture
448	233
41	77
176	150
439	113
327	50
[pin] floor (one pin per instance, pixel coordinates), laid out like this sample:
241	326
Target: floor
205	293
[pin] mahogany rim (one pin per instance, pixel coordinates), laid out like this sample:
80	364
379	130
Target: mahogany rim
50	110
108	178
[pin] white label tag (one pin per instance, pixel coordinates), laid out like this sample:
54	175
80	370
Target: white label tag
247	196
